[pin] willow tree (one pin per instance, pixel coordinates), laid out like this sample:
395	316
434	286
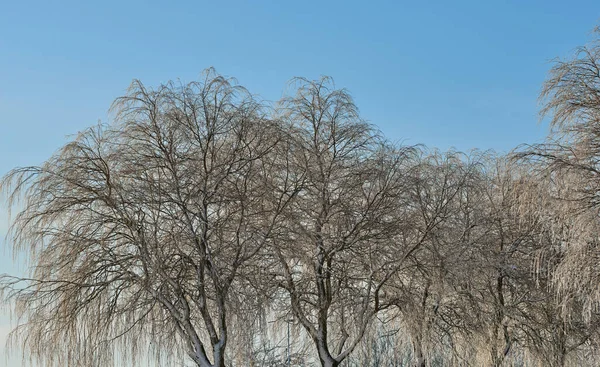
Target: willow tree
329	258
140	233
570	161
435	248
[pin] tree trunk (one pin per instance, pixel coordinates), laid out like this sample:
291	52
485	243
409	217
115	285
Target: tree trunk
418	353
201	363
328	362
325	357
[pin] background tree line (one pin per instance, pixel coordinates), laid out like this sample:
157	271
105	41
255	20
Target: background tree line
205	227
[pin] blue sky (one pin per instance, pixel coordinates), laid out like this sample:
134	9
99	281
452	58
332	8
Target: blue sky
462	74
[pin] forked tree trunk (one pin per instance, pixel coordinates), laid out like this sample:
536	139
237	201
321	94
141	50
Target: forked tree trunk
325	356
328	362
418	353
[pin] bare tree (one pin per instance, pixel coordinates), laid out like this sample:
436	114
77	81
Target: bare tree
503	284
140	233
434	247
555	331
329	257
569	162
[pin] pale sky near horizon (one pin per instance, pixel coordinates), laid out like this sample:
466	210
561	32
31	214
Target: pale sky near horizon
463	74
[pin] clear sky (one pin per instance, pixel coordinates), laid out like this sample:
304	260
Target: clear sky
462	74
